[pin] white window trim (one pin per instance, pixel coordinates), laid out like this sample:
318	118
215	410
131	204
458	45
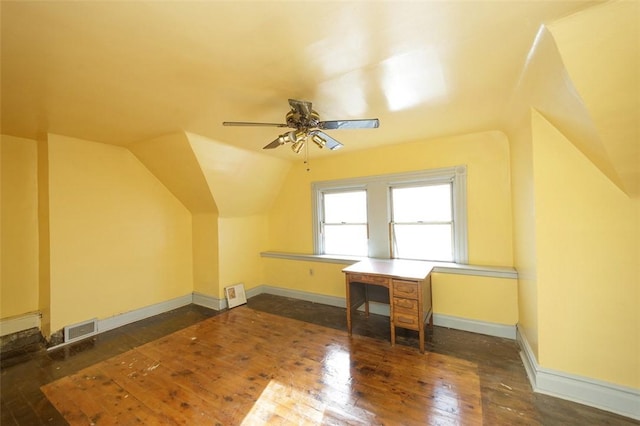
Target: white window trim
379	209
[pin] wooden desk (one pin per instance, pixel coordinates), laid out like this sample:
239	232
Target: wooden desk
404	284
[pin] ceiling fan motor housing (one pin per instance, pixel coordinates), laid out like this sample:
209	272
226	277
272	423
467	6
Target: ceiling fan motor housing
296	120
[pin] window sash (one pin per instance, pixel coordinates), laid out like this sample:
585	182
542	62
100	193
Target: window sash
433	242
352	240
428	213
345	214
437	235
355	242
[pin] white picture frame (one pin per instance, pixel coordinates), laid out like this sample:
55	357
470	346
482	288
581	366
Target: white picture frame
235	295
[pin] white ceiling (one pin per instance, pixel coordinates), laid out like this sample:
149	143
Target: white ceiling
121	72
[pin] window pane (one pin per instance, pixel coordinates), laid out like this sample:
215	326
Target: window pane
431	203
345	239
423	242
347	207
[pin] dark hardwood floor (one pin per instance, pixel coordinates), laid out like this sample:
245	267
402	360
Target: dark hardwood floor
506	396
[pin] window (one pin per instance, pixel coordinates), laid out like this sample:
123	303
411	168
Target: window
344	224
416	215
422	222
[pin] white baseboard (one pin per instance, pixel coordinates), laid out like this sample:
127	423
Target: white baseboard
125	318
482	327
142	313
594	393
340	302
475	326
209	301
298	294
19	323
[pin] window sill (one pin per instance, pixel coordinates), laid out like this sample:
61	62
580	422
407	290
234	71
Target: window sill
440	267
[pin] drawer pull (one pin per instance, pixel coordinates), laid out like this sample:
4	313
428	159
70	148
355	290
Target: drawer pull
405	290
406	303
405	320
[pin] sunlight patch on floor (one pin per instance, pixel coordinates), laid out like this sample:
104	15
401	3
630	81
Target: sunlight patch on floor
279	401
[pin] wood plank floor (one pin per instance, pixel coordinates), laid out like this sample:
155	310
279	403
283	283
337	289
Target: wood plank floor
250	367
503	393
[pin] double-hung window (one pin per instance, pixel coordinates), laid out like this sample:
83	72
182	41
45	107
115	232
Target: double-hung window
344	222
422	222
416	215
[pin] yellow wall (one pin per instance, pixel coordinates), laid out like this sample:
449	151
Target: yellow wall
479	298
488	187
489	219
19	226
524	232
545	86
243	184
573	227
172	160
112	234
44	240
119	239
588	251
316	277
241	239
205	254
487	299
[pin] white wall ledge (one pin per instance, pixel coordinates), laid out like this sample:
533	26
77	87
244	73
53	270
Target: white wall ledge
441	267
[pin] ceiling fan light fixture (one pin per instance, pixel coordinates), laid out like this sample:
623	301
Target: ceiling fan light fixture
297	136
319	141
297	146
282	139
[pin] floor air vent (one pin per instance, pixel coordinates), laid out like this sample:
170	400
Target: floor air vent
81	330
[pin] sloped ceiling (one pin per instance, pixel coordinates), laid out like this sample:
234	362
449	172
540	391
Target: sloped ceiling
243	183
207	176
600	48
124	72
172	160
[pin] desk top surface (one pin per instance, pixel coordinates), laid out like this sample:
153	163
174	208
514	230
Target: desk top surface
410	269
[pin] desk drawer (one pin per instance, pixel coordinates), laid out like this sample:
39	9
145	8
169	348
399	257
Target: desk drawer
369	279
410	304
406	320
406	289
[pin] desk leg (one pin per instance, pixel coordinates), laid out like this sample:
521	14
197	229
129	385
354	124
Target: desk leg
348	305
393	334
393	327
366	301
421	336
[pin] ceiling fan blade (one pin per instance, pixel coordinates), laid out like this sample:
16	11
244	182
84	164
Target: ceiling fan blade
245	123
331	143
301	107
276	143
349	124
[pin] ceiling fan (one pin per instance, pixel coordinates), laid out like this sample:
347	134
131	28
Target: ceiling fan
307	125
